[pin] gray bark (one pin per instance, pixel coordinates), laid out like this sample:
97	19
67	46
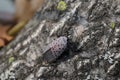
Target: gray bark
93	51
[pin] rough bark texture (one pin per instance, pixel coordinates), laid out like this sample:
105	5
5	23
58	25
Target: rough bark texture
93	51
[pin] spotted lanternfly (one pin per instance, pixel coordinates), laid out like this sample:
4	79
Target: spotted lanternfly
55	49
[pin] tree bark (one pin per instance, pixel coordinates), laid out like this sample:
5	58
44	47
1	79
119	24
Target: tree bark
92	28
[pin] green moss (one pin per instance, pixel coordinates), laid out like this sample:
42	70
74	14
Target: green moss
11	59
62	6
112	24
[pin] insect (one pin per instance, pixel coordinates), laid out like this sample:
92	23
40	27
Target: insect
55	49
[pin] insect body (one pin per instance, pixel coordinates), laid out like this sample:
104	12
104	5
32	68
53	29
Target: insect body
55	49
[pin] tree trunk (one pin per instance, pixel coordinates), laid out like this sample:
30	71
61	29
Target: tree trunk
92	28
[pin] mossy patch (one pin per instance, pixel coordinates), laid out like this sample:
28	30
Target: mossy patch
11	59
112	24
62	6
